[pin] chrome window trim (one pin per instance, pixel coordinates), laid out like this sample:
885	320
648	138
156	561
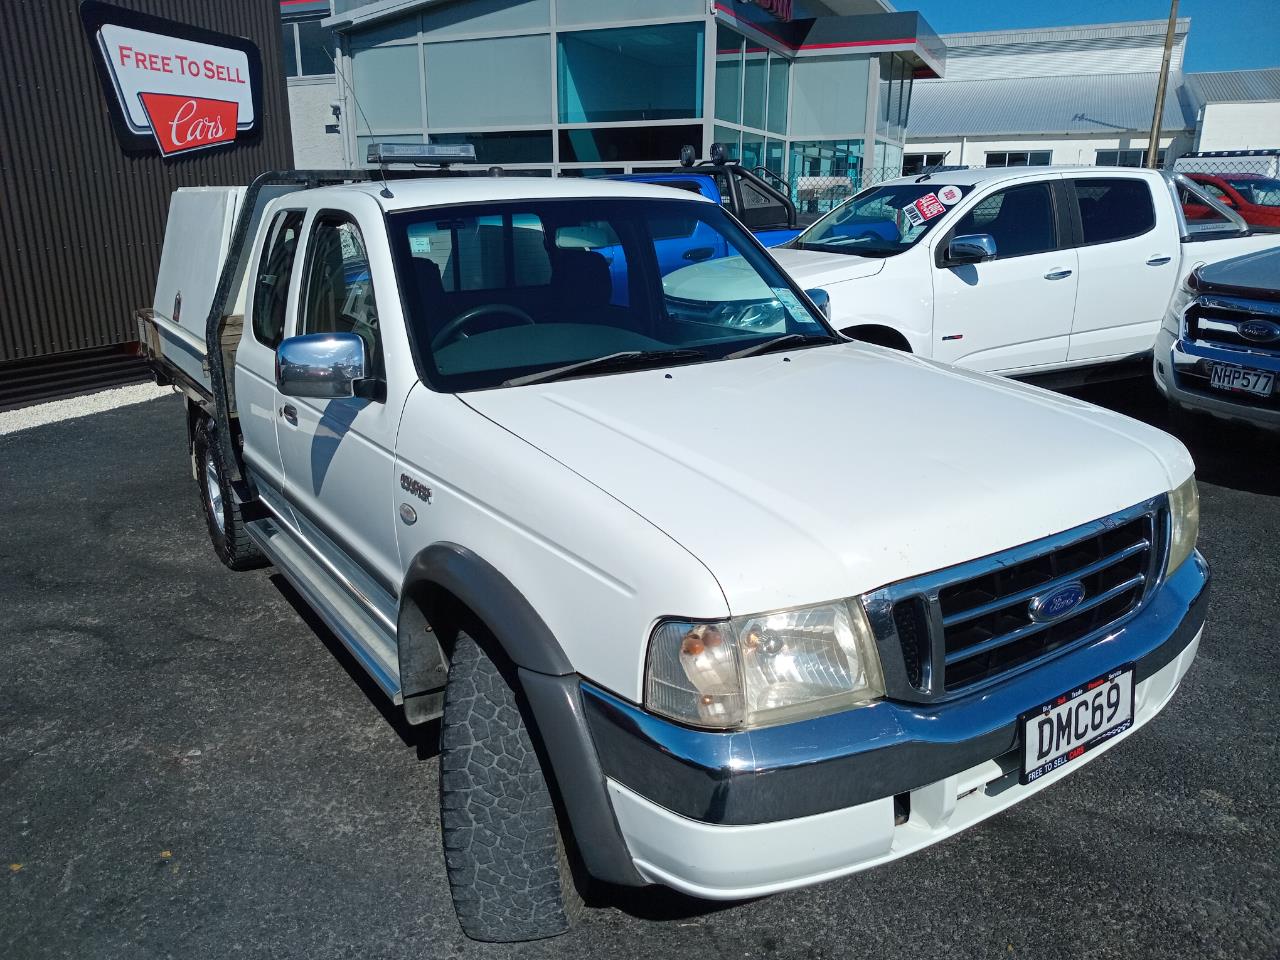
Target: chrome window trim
879	604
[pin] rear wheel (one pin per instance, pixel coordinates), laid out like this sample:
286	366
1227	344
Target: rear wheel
509	870
221	510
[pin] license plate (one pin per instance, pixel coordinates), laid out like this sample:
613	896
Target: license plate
1069	726
1223	376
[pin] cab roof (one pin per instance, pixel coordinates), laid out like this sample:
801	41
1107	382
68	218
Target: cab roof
985	175
410	194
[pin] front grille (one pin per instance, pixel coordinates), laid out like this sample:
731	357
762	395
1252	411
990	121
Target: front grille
972	624
1217	319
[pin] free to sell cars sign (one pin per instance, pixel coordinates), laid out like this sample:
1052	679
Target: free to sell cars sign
173	87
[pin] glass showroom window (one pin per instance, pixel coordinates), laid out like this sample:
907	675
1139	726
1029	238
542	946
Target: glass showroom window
752	93
388	82
888	163
824	172
627	143
308	49
1020	158
895	96
631	74
492	82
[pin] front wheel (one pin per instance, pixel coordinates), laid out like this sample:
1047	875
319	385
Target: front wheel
509	870
221	510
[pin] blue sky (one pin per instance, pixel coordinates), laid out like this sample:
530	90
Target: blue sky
1225	34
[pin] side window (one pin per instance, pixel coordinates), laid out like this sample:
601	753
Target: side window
483	253
339	290
722	184
591	265
271	290
1213	190
758	207
1112	210
1019	219
753	196
1202	218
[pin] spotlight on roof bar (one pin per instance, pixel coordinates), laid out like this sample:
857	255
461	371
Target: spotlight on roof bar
432	154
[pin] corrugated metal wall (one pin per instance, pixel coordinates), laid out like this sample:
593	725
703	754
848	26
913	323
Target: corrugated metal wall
81	223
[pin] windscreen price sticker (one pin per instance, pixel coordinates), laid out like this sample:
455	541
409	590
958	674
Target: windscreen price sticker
950	194
926	208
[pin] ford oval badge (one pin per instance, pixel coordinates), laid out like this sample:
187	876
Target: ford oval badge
1259	331
1054	606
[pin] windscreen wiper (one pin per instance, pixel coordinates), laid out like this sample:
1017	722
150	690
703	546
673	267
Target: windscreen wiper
779	343
625	360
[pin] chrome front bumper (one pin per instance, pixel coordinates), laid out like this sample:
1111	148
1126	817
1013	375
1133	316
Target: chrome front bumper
872	753
1181	377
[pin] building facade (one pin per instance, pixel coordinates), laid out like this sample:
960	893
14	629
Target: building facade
309	53
1237	109
817	93
1082	95
87	182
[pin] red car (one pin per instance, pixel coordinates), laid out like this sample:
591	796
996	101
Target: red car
1253	196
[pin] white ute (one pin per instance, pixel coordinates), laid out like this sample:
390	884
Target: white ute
1059	272
707	595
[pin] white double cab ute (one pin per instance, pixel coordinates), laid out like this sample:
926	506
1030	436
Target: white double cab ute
699	602
1054	272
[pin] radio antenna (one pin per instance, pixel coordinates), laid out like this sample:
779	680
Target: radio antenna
382	170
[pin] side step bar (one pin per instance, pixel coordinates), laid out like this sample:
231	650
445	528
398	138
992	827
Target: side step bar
359	632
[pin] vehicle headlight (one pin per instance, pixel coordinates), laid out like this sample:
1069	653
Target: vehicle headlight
1187	291
754	671
1184	511
757	315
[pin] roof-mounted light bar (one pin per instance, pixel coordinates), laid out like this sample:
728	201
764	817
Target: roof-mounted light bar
429	154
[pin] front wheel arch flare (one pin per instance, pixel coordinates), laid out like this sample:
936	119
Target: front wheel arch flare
480	588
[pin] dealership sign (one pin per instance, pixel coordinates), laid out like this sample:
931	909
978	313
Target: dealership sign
173	87
782	9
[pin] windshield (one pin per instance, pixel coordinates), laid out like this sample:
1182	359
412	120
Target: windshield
882	221
499	293
1262	191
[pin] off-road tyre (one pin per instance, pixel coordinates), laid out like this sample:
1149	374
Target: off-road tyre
221	511
509	870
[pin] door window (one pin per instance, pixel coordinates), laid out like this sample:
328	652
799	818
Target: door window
339	296
1213	190
1112	210
1019	219
275	269
1202	220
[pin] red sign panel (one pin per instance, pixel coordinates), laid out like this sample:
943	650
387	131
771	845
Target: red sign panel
189	123
930	206
781	9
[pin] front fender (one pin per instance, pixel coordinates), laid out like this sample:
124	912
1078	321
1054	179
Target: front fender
525	638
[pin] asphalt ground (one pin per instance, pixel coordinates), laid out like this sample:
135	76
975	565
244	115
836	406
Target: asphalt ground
192	767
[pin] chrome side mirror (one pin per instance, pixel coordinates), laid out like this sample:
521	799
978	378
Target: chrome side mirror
326	366
821	299
971	248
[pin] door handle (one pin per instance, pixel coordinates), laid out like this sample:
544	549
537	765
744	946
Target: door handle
1057	274
290	414
1158	261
